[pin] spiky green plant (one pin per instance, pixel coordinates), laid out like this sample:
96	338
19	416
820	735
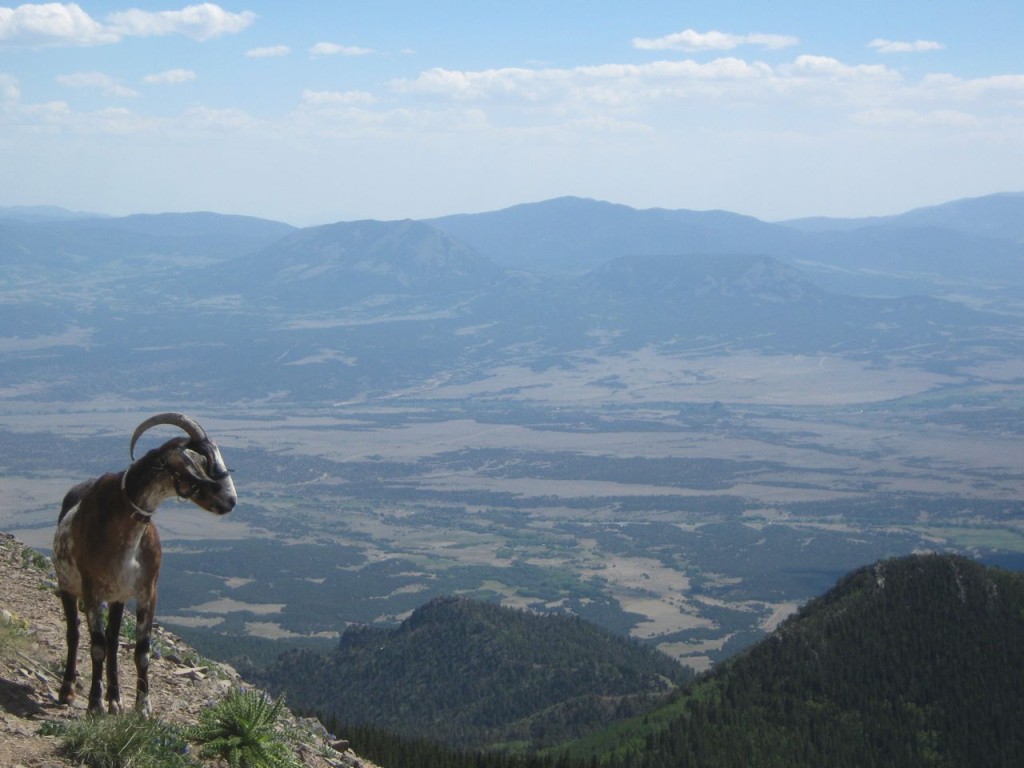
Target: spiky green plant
243	729
128	741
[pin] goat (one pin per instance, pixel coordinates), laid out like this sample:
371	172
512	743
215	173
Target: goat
106	549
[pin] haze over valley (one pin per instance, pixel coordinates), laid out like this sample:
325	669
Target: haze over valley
677	424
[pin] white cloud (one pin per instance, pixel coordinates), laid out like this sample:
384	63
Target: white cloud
333	49
995	89
270	51
60	119
52	24
827	67
207	118
337	98
117	121
1009	84
691	40
895	46
200	22
10	93
909	118
48	113
170	77
45	24
727	68
607	83
96	81
461	84
670	94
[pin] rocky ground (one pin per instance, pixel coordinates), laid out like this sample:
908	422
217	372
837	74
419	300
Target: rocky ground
31	658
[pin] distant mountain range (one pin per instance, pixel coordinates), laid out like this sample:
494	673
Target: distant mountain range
42	213
74	245
966	239
457	295
996	216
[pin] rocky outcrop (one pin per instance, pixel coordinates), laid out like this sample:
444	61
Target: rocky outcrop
31	655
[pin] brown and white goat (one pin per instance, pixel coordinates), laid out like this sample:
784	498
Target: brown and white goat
107	550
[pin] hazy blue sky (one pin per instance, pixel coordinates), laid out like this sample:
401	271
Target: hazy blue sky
311	112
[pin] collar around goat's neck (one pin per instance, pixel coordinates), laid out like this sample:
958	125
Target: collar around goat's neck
138	513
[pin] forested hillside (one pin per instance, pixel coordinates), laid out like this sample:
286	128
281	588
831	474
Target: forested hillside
473	674
911	662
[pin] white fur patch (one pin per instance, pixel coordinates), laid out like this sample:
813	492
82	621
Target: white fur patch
63	556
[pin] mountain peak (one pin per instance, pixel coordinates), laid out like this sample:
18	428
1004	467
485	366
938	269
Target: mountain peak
574	234
913	661
951	581
346	259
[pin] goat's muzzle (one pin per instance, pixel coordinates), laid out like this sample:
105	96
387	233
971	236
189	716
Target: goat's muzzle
226	497
223	506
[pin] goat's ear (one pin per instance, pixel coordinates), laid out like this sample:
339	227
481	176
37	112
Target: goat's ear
180	462
196	465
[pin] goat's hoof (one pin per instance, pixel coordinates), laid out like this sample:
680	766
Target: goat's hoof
66	696
95	708
143	707
115	707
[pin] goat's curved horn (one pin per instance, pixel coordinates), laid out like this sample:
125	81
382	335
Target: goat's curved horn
187	423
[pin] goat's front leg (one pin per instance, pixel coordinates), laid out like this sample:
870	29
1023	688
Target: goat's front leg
143	632
114	614
67	686
98	650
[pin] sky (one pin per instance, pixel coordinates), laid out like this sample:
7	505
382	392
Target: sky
313	112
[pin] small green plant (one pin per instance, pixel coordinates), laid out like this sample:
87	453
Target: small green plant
14	633
29	557
243	729
128	741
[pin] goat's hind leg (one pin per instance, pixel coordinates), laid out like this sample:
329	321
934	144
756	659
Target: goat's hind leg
67	686
143	633
115	612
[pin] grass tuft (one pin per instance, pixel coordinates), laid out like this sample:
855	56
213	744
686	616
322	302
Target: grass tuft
14	633
32	559
127	741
